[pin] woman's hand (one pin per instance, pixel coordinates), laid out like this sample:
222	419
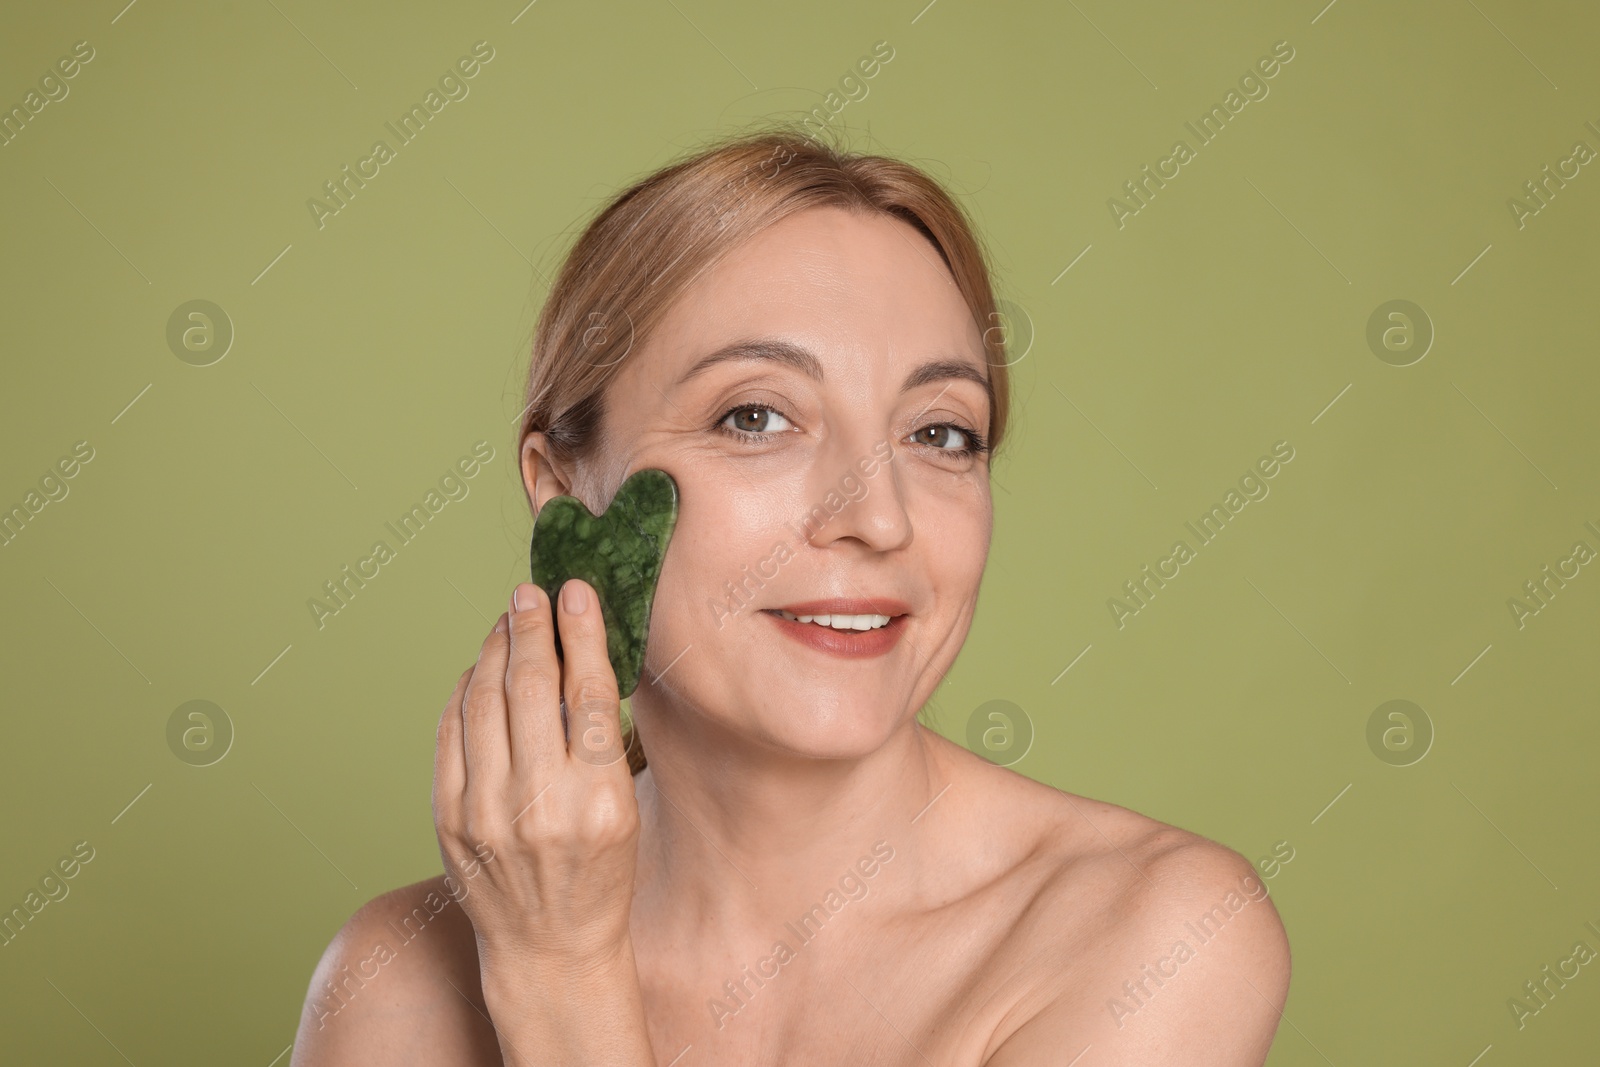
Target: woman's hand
547	827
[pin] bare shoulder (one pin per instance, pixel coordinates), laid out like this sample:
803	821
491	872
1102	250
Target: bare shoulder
398	984
1158	945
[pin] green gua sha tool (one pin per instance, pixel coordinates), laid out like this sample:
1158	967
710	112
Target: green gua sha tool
619	552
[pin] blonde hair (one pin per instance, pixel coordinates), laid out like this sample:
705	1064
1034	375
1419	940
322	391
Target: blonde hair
650	241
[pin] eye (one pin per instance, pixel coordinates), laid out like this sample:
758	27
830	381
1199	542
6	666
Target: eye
940	435
753	422
950	438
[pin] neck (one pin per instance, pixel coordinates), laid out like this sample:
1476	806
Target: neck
737	839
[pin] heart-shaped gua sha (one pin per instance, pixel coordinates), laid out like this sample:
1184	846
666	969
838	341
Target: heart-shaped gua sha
618	552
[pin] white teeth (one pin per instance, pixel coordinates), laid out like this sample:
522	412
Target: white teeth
840	622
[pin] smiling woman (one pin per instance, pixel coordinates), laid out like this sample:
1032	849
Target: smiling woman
637	264
758	354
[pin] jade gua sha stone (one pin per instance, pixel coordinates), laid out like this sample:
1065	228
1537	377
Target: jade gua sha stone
618	552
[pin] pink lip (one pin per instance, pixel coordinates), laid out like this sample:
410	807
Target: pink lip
847	644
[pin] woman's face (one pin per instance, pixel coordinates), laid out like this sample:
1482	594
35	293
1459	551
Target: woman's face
851	482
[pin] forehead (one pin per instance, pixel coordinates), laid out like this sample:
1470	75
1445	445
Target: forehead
844	284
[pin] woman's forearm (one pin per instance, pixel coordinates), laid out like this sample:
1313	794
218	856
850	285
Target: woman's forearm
551	1013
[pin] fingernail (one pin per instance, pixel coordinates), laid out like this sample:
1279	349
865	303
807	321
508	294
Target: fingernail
500	624
573	597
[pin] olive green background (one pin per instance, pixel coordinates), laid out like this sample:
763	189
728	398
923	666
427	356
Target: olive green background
1230	313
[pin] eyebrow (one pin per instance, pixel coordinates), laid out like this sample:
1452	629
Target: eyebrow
801	359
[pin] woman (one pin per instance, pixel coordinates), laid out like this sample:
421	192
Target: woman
802	873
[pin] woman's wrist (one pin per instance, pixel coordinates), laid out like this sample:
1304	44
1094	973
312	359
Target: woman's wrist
553	1009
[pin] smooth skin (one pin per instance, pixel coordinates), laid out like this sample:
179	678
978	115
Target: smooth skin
589	917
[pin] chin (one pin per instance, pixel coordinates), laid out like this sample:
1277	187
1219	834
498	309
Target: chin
848	730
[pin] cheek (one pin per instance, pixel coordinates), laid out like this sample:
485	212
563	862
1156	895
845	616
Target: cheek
954	526
726	536
953	515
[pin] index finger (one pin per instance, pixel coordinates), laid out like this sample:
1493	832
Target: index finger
483	712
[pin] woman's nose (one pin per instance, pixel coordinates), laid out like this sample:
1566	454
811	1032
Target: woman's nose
855	492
